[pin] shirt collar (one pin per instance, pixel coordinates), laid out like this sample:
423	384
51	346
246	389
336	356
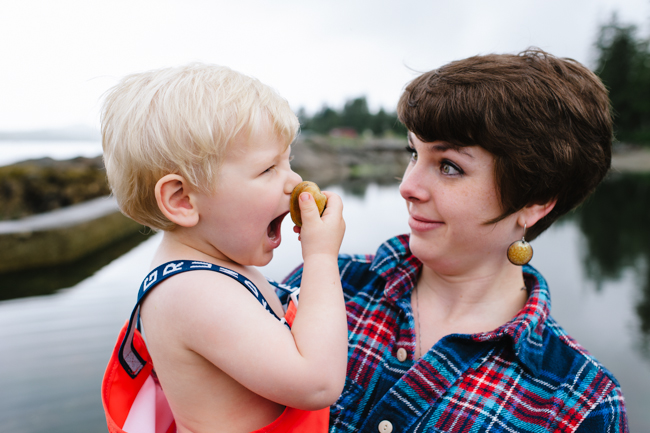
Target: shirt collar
526	329
395	264
400	269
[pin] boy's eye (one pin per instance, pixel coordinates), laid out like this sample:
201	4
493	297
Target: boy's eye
413	152
448	168
268	169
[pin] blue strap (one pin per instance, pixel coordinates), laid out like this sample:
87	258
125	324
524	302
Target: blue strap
130	359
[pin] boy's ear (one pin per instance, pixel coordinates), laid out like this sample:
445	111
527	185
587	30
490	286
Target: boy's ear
535	212
176	200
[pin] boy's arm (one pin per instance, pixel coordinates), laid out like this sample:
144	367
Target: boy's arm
354	271
214	316
320	326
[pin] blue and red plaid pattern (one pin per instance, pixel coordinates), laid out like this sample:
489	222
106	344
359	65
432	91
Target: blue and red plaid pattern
526	376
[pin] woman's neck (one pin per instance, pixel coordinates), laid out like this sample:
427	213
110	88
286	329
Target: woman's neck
466	304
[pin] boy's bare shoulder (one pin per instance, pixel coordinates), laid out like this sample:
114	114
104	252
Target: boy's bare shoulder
214	316
200	290
200	306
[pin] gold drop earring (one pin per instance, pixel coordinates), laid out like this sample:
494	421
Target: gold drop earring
520	252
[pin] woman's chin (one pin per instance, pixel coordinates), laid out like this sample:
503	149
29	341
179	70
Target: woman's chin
434	257
424	250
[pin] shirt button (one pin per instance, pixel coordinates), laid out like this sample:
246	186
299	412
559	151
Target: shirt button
385	426
401	354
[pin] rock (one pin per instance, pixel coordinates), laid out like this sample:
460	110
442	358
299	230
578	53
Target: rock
63	235
41	185
55	212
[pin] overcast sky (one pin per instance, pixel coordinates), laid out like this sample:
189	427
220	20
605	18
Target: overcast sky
59	57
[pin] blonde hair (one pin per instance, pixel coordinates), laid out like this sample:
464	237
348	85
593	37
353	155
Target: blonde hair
181	120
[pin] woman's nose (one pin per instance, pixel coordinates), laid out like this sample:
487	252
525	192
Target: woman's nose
411	188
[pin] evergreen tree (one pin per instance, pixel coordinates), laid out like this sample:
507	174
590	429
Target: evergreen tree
356	115
322	122
624	66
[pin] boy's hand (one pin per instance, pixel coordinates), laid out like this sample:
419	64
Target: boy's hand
320	234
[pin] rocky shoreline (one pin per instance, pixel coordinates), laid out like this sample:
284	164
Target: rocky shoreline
41	185
54	212
327	161
631	159
72	196
62	235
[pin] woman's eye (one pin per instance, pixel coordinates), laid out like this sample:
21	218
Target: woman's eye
413	152
450	169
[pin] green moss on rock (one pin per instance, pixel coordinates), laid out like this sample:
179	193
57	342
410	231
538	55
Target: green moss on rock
42	185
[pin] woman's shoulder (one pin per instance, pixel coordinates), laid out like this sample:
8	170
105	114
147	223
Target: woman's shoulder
356	273
359	271
578	373
567	360
563	346
389	254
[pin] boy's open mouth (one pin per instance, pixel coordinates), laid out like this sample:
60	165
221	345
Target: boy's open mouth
273	230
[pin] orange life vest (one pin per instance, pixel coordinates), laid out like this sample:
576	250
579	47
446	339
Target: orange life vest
133	399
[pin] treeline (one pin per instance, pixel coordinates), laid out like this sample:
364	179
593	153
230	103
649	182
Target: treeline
623	64
354	118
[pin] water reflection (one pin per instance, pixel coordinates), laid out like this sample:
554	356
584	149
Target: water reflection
75	329
46	281
616	224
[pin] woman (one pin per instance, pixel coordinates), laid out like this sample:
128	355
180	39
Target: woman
445	332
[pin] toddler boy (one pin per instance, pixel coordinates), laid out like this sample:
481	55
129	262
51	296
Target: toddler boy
202	153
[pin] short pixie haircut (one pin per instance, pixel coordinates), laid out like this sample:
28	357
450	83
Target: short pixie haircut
181	121
546	120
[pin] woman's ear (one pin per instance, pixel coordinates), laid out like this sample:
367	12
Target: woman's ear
175	198
535	212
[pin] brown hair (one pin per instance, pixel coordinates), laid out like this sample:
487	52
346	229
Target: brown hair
545	119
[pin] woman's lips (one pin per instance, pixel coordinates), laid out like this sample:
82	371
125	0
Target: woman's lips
421	224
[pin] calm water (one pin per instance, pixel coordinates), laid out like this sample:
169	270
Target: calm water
54	344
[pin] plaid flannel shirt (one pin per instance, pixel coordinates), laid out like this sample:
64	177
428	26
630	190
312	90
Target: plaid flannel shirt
525	376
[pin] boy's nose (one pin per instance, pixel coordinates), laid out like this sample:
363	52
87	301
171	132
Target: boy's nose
293	180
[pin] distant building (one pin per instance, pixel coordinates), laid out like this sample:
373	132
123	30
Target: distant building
344	132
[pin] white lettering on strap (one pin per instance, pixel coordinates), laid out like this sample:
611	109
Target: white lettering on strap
150	279
229	272
172	267
252	287
201	265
